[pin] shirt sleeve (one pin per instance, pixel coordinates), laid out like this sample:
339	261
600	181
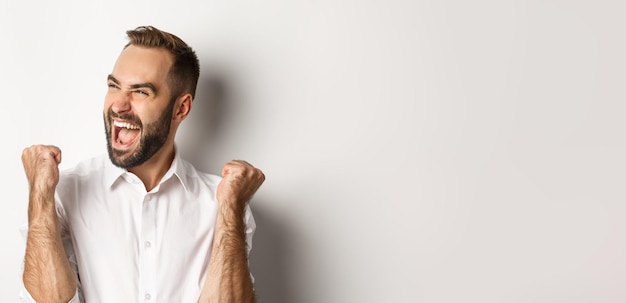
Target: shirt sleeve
26	298
250	228
69	251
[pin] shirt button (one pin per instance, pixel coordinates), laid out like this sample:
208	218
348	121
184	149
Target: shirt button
148	198
148	244
148	296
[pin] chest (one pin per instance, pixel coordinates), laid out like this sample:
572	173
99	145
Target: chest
137	242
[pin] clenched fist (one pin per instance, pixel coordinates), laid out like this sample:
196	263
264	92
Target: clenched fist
240	181
41	164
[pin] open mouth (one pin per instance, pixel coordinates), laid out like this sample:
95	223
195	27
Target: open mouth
125	134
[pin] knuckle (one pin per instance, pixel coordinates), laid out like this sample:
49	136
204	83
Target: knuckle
38	149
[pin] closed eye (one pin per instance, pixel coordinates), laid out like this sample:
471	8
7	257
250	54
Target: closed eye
141	92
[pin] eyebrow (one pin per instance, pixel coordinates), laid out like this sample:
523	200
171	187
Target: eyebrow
135	86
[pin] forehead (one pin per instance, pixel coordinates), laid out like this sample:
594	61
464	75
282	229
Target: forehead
142	65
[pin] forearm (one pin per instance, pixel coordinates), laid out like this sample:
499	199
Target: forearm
228	278
47	273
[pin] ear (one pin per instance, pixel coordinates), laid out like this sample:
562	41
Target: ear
182	107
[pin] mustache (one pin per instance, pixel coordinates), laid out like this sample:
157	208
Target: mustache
128	117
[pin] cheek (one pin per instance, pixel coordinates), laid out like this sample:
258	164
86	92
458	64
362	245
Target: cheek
109	98
149	112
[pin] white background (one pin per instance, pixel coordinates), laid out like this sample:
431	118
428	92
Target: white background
415	151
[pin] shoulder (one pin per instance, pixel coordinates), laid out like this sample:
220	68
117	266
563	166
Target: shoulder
195	177
86	170
85	177
85	167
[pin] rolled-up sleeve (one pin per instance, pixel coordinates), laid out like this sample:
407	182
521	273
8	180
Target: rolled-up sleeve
25	297
250	229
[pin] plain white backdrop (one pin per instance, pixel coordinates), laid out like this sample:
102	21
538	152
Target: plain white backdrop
415	151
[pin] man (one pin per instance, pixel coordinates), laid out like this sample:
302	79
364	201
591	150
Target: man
141	225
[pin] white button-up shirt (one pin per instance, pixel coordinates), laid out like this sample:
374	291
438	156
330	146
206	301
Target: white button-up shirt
129	245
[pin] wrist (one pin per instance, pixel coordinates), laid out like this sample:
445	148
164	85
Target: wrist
232	204
42	191
231	212
41	203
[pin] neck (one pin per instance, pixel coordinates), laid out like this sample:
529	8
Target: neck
152	171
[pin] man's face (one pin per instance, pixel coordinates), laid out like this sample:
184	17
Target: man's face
138	106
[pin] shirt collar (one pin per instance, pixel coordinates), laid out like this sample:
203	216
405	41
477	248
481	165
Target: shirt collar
113	173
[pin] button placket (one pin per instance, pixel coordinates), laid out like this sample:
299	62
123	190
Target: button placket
147	251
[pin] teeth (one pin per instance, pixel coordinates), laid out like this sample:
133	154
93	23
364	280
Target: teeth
125	125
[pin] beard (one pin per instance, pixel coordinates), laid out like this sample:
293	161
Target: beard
153	136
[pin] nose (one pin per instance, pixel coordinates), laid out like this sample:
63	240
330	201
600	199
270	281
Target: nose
121	102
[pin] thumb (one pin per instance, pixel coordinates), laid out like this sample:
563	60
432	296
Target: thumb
55	152
57	157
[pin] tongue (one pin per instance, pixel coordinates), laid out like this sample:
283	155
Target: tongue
126	135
